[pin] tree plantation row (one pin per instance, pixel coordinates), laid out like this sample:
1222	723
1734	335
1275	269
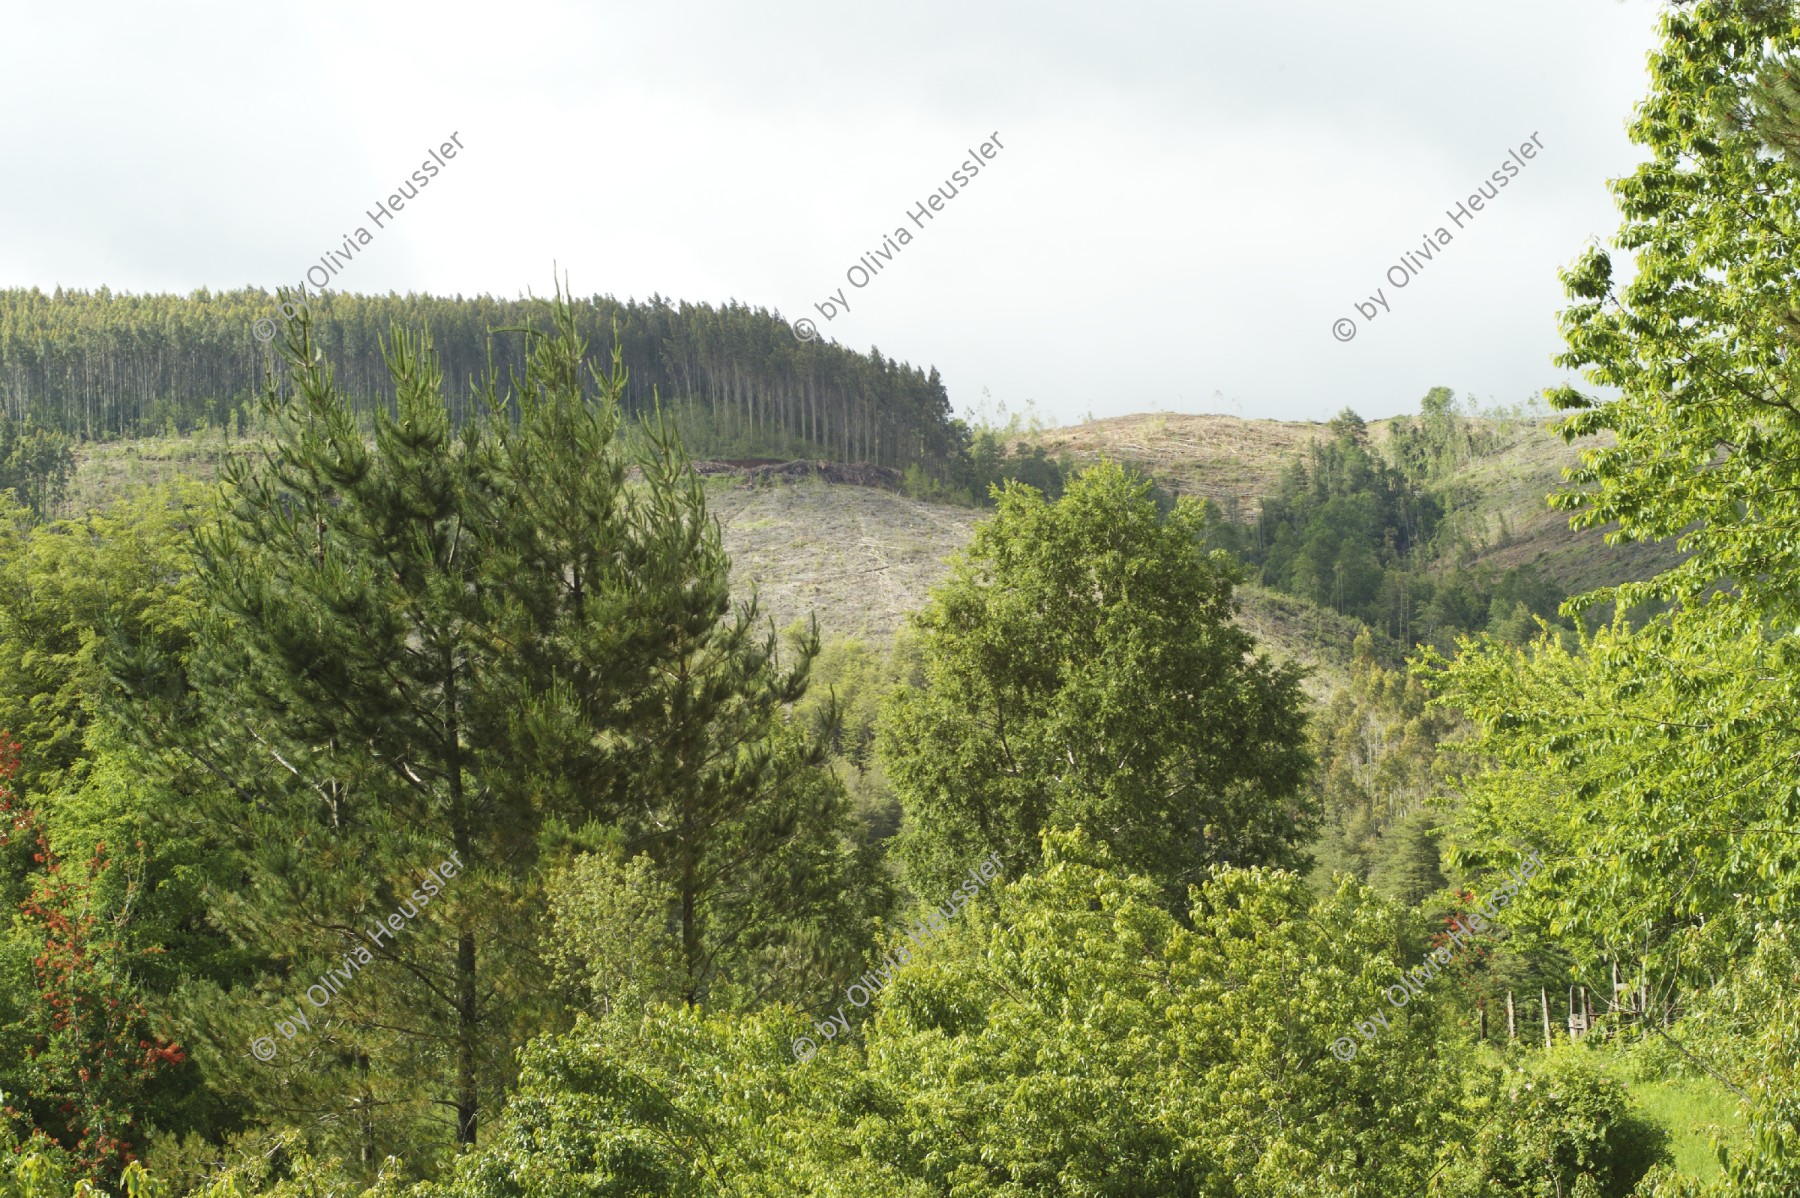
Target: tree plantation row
98	365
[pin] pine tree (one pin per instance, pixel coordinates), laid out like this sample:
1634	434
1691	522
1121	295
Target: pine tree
446	645
1773	108
350	649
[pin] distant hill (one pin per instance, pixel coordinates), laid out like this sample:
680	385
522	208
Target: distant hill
1498	499
862	557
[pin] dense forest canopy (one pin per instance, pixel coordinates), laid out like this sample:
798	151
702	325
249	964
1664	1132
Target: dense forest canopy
102	364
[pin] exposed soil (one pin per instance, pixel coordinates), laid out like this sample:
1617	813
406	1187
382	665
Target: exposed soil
854	474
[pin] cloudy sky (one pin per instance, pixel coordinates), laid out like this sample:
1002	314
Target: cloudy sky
1188	197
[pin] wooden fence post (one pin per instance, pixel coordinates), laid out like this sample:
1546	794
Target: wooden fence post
1580	1016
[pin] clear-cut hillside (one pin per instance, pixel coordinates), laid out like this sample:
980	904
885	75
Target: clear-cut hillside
863	558
1498	500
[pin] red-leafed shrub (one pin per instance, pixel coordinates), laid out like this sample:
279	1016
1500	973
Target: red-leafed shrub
93	1053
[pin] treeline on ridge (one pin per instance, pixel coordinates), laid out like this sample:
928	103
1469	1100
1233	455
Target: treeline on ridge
101	365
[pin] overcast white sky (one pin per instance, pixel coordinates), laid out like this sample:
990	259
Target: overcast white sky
1189	194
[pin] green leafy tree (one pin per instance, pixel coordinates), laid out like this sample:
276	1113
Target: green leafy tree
1066	1036
84	602
1655	763
1559	1126
1698	345
1081	666
93	1058
610	938
35	465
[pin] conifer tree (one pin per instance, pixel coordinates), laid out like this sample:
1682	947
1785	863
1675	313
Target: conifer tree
457	645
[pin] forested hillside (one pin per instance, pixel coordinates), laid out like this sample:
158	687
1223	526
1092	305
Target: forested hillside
99	365
1488	473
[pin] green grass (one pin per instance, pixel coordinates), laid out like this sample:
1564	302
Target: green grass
1692	1111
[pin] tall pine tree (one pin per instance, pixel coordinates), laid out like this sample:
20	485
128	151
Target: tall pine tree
458	644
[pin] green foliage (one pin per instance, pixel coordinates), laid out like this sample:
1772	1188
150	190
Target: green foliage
1056	625
1363	529
95	1060
82	601
501	626
1071	1023
1655	766
1656	763
1376	741
1409	871
1655	769
709	432
1697	347
35	465
982	460
444	642
609	938
1341	525
1427	448
1559	1126
1074	1039
681	1103
91	1060
851	680
38	1170
1773	106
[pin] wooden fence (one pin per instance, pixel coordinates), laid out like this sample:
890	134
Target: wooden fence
1628	1004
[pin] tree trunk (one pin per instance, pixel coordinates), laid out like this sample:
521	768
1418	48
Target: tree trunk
467	1106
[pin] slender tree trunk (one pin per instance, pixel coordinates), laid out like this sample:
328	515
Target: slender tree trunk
467	1105
367	1114
690	927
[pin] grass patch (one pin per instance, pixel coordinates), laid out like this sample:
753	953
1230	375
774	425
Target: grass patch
1692	1108
1693	1111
